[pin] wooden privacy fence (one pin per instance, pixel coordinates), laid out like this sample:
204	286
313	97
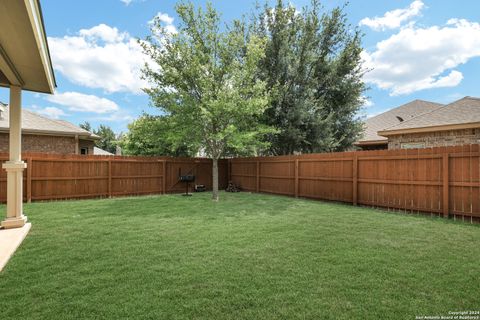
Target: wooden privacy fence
49	177
443	181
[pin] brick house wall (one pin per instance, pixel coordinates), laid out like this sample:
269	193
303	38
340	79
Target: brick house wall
47	144
434	139
86	144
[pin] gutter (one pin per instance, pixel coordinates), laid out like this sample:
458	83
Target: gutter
460	126
46	42
370	142
55	133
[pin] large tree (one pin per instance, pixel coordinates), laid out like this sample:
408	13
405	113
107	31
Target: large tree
205	80
313	68
151	136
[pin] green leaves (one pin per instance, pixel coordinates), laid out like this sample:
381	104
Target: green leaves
153	136
108	139
206	81
288	82
312	68
292	78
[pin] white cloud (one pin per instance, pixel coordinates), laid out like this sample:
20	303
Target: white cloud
393	19
166	21
415	59
127	2
100	57
50	112
163	17
104	110
453	79
103	32
80	102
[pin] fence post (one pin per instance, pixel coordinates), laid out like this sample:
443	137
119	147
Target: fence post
445	164
296	178
109	178
164	176
258	177
355	180
29	180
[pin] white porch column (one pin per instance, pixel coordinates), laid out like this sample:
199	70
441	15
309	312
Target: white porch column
15	165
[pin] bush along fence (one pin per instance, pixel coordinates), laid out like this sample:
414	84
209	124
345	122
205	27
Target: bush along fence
441	181
49	177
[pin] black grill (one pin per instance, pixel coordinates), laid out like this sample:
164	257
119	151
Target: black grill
187	178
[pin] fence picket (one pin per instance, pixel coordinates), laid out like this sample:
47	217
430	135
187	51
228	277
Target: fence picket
441	181
49	176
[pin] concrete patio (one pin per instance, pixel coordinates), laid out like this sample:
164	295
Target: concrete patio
10	240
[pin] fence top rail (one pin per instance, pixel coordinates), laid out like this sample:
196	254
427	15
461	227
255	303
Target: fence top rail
325	159
472	150
466	150
97	160
36	155
402	157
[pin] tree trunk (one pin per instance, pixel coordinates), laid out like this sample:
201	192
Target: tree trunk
215	179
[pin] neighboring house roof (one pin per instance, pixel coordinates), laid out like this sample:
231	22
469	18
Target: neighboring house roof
101	152
461	114
394	117
34	123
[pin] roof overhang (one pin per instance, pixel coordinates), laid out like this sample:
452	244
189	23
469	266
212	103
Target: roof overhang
471	125
92	137
82	136
24	54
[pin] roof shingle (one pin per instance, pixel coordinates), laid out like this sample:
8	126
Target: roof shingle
35	123
463	111
394	117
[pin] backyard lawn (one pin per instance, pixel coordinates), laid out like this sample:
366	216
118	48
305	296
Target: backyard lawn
248	256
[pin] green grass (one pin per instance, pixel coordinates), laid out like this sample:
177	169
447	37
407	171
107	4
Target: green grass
246	257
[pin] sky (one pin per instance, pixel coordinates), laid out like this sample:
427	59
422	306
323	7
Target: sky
415	49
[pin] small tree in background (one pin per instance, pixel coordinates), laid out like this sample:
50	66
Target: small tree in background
207	83
86	126
150	136
108	139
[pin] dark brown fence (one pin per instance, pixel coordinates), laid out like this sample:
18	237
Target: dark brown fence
443	181
50	177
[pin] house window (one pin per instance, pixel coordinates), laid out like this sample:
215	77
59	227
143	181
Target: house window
413	145
83	150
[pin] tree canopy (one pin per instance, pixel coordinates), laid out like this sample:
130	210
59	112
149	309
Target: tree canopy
151	136
287	82
205	79
86	126
312	68
108	139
